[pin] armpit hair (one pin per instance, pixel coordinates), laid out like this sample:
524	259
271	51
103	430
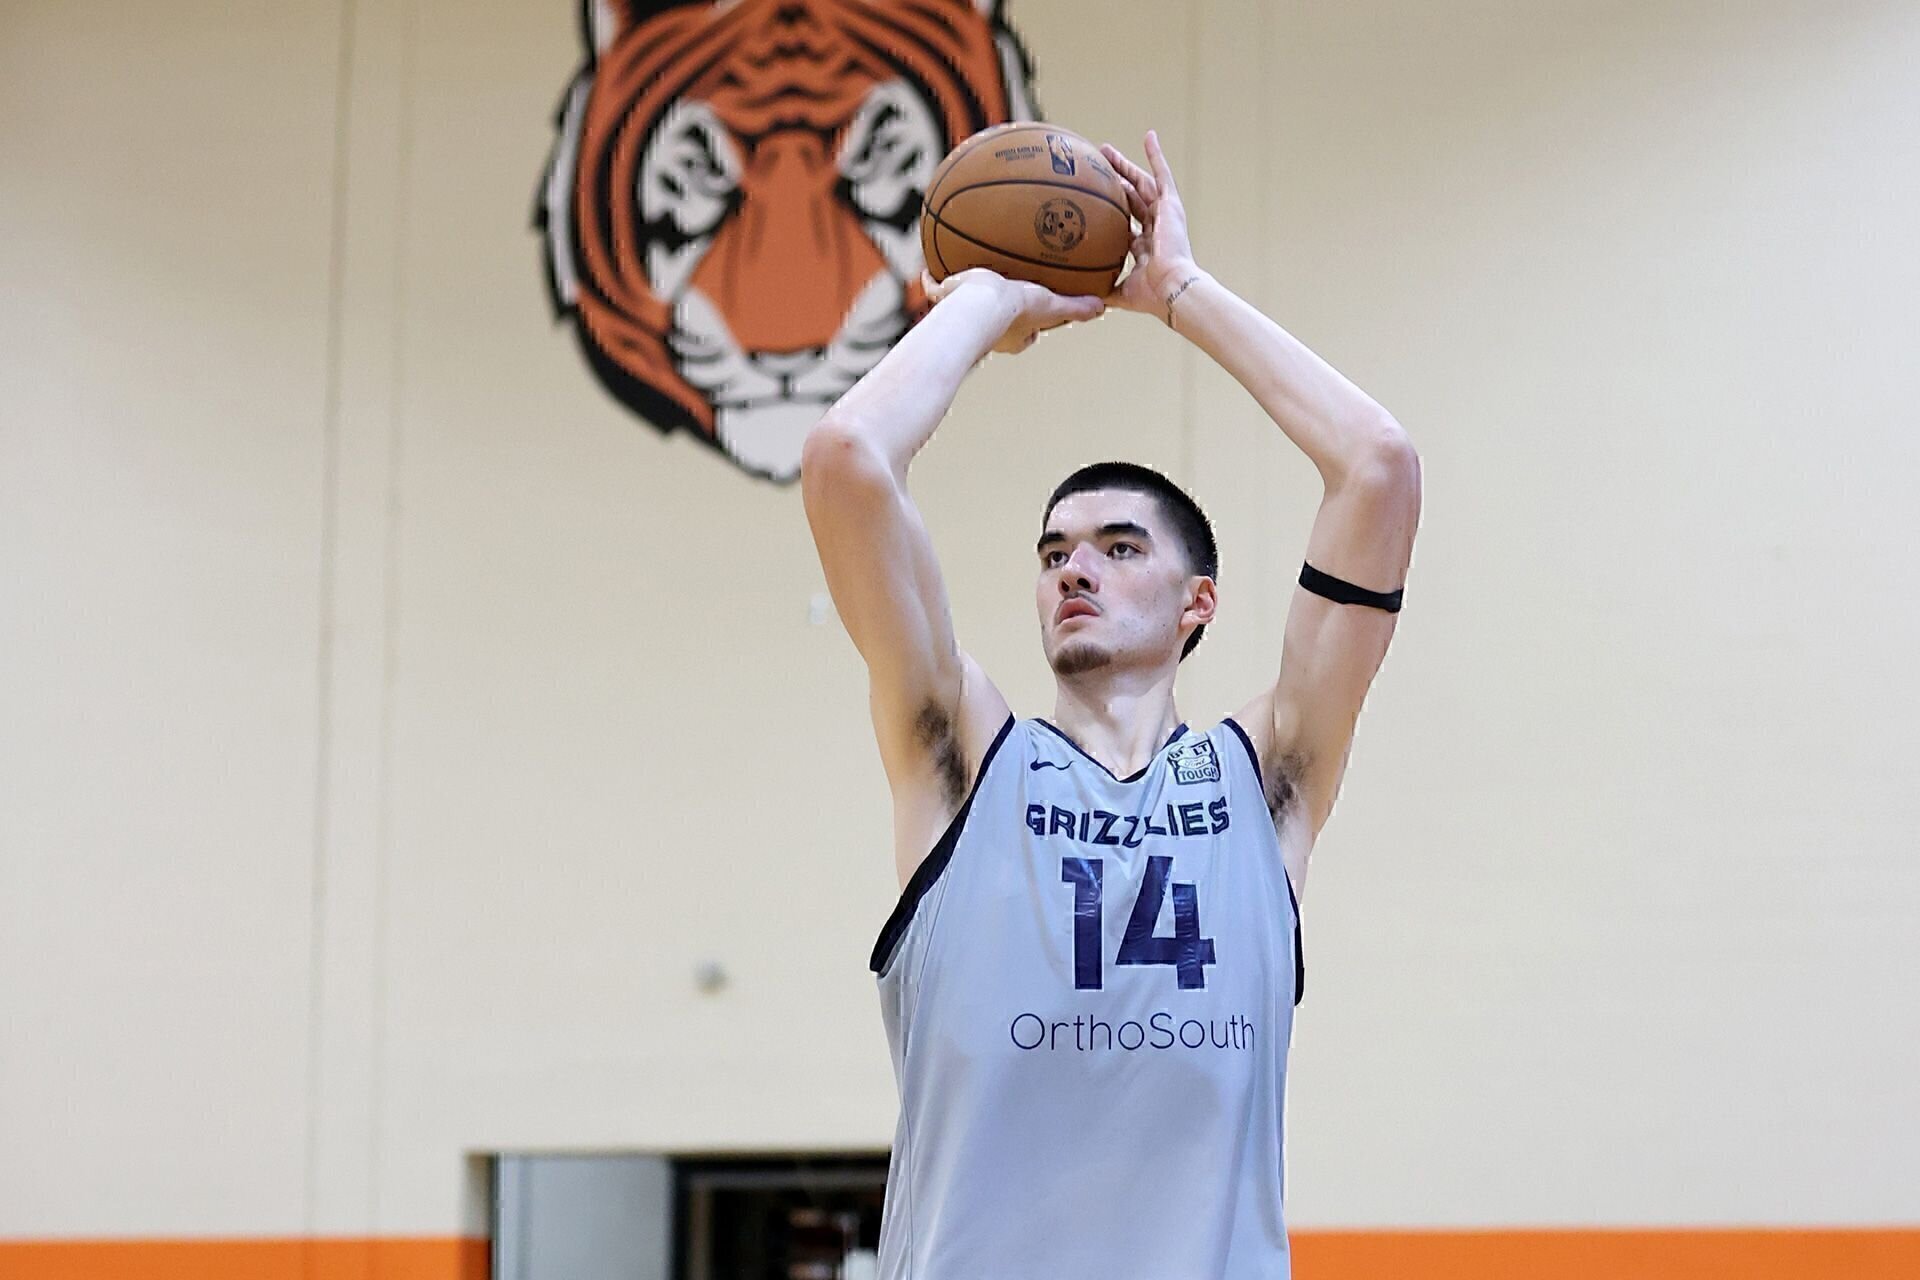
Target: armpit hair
1281	789
933	731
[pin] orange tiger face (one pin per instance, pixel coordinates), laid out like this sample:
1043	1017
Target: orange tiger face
731	208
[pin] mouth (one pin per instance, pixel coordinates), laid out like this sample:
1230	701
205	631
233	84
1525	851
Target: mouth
1076	607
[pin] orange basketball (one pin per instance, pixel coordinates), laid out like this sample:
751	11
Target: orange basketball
1033	202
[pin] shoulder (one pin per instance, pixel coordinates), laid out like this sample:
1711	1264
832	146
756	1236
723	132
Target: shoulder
983	722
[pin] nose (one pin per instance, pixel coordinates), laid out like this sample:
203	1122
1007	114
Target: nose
1080	573
791	228
784	363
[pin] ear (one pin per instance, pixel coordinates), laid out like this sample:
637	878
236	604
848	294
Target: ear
607	20
1202	600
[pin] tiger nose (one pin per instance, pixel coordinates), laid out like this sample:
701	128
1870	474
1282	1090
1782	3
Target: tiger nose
786	268
783	364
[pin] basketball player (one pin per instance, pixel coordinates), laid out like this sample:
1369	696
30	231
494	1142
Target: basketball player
1089	981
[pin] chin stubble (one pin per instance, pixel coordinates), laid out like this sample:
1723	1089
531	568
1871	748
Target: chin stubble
1077	659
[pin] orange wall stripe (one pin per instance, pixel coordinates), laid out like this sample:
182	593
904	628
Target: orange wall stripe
1318	1255
452	1258
1607	1255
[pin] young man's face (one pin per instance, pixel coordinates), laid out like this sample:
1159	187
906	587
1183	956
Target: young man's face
1115	588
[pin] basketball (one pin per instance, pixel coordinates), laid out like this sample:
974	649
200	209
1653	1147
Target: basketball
1032	202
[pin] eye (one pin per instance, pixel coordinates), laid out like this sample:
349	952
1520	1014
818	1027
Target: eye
689	173
890	150
1052	559
1123	550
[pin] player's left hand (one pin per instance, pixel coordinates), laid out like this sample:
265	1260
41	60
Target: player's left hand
1030	309
1162	251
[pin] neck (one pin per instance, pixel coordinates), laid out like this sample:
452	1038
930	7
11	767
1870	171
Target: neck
1120	718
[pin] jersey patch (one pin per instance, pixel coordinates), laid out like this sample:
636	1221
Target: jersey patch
1194	762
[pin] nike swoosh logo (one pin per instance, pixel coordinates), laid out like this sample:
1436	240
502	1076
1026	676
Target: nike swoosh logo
1037	765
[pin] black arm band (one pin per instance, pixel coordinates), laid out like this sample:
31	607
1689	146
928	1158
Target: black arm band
1325	584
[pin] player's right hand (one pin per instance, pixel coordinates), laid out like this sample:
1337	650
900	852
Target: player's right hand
1034	308
1162	251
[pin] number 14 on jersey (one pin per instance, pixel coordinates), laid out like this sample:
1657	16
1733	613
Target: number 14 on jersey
1186	950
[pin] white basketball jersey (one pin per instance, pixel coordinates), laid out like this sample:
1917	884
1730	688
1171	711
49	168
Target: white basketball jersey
1088	988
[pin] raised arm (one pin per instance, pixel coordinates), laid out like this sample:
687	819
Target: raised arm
1302	727
934	711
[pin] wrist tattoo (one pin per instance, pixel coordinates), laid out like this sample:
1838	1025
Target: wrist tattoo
1173	297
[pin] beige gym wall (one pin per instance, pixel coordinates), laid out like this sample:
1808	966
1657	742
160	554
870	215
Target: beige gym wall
392	724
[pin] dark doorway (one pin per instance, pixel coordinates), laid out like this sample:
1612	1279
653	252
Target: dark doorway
807	1218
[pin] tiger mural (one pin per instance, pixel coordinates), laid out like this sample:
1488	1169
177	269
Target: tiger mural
730	209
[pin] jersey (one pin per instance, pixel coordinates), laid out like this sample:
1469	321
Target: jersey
1088	989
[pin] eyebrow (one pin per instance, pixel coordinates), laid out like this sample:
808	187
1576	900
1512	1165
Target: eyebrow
1113	529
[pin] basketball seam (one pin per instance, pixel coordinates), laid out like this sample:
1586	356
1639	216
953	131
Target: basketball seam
1036	182
952	160
939	221
945	271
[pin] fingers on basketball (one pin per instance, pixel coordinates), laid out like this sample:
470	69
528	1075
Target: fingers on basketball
1138	180
1136	203
1162	172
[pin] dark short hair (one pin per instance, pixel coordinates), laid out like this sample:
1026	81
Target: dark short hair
1189	523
